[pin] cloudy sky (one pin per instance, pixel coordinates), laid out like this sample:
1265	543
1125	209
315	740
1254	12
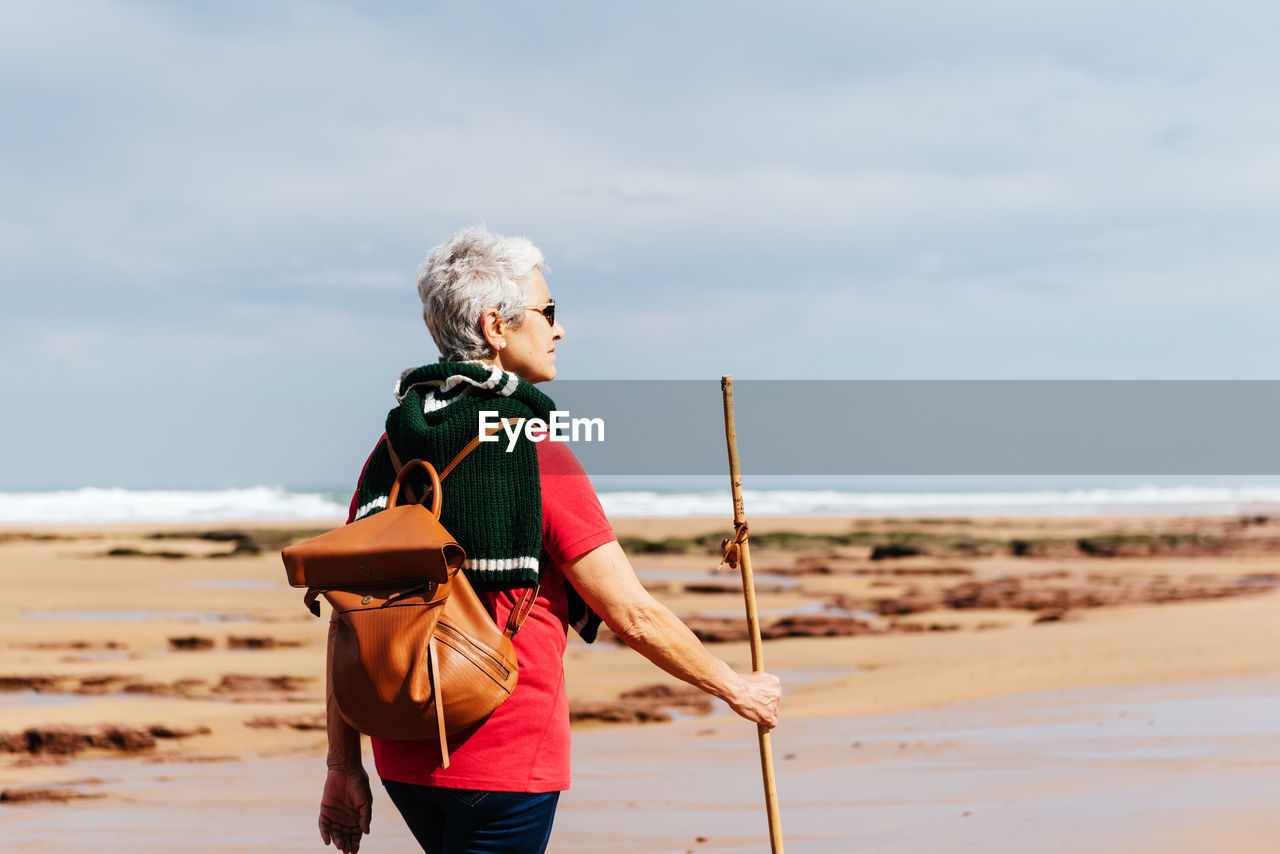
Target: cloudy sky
211	213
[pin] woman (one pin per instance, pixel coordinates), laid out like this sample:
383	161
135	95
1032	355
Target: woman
528	519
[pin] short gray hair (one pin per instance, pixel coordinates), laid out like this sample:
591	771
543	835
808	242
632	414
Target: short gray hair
471	272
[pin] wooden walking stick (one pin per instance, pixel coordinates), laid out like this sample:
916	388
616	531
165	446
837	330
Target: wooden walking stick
737	553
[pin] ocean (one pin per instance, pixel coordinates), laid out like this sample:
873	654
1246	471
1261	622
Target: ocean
905	498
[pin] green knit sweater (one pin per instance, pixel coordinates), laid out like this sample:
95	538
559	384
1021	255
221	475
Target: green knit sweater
492	501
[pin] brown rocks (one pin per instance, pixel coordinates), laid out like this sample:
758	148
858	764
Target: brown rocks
1144	544
1099	592
78	644
27	683
681	696
729	629
816	565
730	587
648	704
182	687
240	683
915	628
718	629
815	626
912	602
68	741
99	684
40	795
157	688
615	713
714	588
934	571
42	684
258	642
192	642
116	683
1001	593
298	722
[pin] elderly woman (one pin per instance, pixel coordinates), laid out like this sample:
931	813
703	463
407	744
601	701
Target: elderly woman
528	520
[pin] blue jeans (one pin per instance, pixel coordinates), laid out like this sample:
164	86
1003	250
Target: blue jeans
466	821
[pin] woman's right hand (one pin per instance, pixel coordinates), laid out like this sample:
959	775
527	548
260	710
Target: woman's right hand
757	698
345	808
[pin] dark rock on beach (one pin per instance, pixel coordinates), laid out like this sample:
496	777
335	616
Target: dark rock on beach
1098	592
615	713
718	629
68	741
815	626
912	602
239	683
648	704
28	683
127	551
78	645
39	795
258	642
94	685
682	696
190	642
298	722
730	629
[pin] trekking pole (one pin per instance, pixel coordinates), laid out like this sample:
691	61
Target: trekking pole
737	549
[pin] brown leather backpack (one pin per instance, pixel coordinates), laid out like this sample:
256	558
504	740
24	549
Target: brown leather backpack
416	654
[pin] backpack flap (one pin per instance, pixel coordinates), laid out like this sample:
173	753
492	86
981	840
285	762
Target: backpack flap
402	543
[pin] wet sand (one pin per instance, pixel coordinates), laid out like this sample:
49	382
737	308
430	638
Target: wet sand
1163	768
1179	768
1123	699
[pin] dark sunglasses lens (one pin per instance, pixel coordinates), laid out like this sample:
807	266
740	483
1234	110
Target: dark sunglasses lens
549	312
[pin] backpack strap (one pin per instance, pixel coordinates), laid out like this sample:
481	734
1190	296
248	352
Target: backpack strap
395	462
473	444
437	699
470	446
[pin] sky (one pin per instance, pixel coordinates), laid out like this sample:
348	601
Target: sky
211	214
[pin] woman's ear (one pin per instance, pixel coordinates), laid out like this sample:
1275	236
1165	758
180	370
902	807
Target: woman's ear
493	329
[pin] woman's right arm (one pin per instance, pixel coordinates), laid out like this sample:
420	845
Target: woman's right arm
344	739
346	804
606	581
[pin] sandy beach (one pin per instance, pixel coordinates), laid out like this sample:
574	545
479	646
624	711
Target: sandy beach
968	684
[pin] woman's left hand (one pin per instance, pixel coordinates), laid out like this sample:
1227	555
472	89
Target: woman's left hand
345	808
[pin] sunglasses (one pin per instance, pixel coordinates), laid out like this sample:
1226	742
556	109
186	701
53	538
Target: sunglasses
548	311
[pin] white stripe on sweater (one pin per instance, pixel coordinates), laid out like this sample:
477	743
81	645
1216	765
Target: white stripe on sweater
375	504
509	389
490	564
431	403
505	383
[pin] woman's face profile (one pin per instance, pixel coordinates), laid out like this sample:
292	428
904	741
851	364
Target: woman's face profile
530	350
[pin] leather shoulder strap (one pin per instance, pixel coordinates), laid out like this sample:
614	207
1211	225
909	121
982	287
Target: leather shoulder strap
475	443
395	462
517	616
470	446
